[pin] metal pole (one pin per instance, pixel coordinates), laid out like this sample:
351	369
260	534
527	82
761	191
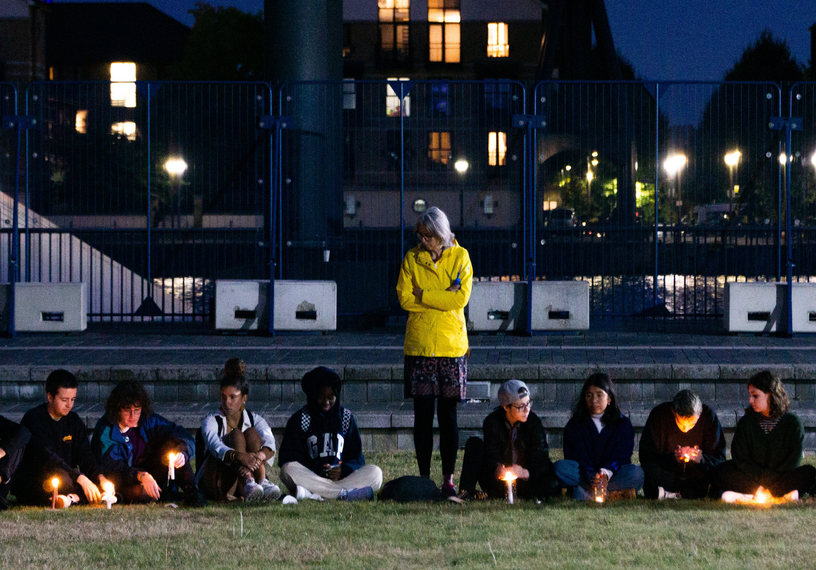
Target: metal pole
788	235
402	171
14	258
657	180
149	202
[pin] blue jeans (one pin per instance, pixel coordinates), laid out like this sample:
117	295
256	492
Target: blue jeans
570	475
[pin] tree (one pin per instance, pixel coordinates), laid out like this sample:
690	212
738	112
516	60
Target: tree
767	59
225	44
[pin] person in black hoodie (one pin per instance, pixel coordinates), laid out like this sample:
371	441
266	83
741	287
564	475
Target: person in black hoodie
598	445
321	456
515	443
13	441
59	447
681	443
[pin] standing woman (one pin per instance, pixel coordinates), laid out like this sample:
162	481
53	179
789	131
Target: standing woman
767	447
434	287
598	445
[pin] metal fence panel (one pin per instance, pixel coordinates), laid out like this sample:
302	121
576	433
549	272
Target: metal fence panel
8	167
803	185
665	253
403	146
107	206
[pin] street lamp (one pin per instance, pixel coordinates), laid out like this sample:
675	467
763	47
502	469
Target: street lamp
461	166
176	167
732	161
673	164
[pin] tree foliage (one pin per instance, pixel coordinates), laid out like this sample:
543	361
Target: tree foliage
225	44
767	59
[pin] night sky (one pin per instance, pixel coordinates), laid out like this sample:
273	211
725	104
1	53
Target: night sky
664	39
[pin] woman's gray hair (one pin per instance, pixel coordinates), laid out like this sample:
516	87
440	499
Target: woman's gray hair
436	222
687	404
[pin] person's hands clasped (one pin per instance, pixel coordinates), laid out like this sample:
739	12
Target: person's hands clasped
250	461
418	294
331	472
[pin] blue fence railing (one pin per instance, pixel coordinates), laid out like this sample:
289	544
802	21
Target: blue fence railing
657	194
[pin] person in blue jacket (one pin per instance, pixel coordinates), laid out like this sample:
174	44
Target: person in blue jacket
321	456
598	445
132	446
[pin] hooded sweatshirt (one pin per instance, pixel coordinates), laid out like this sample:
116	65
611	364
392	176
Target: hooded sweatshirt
315	438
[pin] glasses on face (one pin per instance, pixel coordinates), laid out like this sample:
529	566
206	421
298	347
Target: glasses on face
132	411
424	237
522	407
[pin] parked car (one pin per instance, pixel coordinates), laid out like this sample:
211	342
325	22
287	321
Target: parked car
560	218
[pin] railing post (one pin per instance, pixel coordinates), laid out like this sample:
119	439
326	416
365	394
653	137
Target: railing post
276	124
530	124
787	125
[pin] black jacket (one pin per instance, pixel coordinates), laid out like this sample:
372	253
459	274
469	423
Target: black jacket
524	444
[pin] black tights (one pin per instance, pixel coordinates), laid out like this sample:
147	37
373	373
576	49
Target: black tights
423	433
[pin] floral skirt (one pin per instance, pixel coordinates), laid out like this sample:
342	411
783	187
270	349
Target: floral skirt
440	377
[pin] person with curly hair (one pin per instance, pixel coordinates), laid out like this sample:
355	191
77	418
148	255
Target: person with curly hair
132	445
767	447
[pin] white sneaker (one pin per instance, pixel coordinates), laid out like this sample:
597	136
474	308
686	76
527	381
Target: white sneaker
734	497
253	492
271	492
663	494
304	493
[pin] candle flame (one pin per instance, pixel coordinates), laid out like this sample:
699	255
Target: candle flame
107	486
171	456
509	477
686	458
599	499
55	483
762	496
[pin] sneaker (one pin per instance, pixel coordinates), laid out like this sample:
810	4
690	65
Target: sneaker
304	493
193	497
361	494
466	495
663	494
271	492
253	492
449	490
622	495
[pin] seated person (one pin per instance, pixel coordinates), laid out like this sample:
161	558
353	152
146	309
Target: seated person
767	447
321	456
59	447
515	443
237	446
681	443
598	445
132	446
13	440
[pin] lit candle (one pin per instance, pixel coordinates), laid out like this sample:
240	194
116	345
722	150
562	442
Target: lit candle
171	467
54	487
761	496
509	478
109	495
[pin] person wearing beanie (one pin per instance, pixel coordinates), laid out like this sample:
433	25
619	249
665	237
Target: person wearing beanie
59	447
321	456
515	443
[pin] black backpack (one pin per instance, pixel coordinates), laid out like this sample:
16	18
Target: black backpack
410	488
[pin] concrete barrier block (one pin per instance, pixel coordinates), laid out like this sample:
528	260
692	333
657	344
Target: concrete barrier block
299	305
804	307
751	307
497	306
560	305
50	307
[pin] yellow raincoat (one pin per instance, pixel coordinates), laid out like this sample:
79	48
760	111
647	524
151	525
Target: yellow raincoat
436	326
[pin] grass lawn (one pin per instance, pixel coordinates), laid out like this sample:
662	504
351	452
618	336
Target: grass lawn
343	536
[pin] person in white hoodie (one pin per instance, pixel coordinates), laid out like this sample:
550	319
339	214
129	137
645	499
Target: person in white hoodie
238	447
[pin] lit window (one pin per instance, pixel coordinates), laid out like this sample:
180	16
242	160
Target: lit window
128	129
439	147
443	30
349	94
123	91
394	17
392	100
81	121
497	45
497	149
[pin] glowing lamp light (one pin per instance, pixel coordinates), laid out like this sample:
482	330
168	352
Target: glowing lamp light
509	478
813	160
109	493
783	159
733	158
569	167
175	166
461	166
590	176
674	163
